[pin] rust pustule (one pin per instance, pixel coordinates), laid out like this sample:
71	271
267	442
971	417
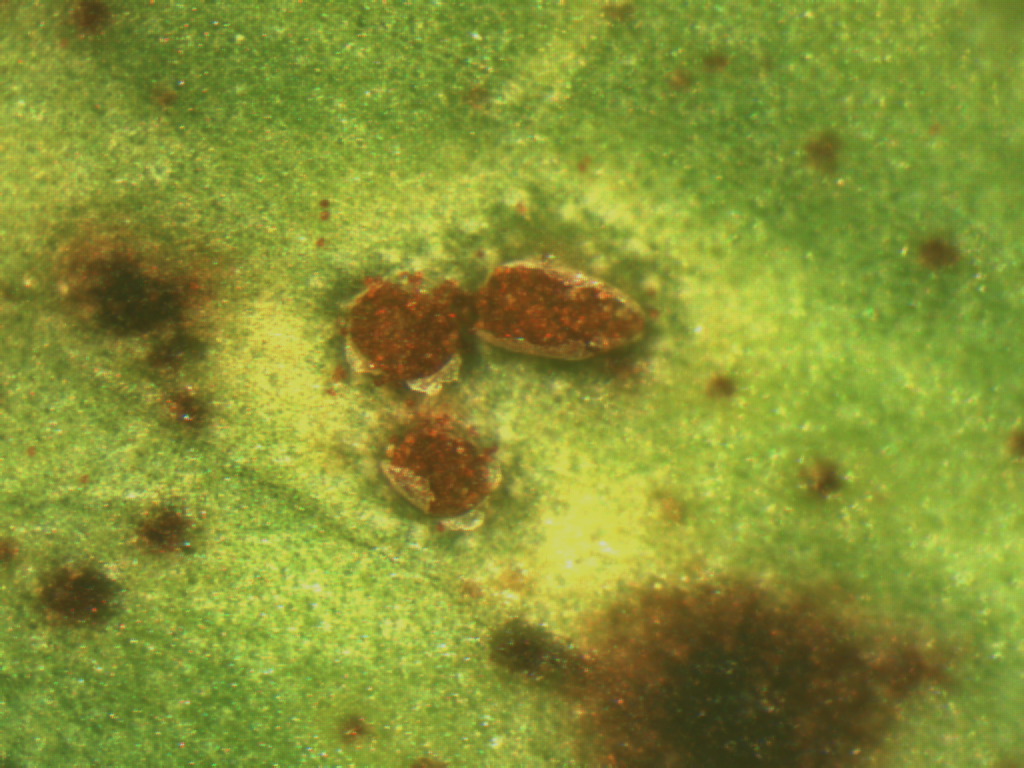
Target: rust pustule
555	312
440	468
401	333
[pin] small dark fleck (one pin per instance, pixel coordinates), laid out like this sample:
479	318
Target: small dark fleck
823	478
716	61
619	12
721	386
174	350
91	17
535	652
163	95
325	203
823	152
938	253
477	97
354	728
78	594
680	80
8	550
166	529
428	762
187	407
1015	444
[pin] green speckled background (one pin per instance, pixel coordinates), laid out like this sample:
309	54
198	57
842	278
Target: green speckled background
315	591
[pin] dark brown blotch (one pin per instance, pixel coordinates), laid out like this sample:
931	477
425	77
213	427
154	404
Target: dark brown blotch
732	676
174	350
534	651
78	594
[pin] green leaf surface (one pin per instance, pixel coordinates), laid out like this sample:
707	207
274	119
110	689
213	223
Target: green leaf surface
666	146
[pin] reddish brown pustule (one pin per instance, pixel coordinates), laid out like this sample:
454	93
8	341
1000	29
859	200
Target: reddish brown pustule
731	676
435	454
555	313
404	332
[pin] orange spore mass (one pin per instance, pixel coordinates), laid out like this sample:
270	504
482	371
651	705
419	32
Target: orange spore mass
555	313
402	331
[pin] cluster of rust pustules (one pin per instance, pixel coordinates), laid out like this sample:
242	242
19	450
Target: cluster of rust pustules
398	332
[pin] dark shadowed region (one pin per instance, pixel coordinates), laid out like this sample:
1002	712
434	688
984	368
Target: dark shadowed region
732	677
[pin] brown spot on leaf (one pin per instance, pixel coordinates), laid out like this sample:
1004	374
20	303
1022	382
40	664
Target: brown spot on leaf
716	61
532	650
822	152
91	17
938	253
187	407
680	80
165	528
1015	444
354	729
823	477
78	594
721	385
730	676
619	13
8	550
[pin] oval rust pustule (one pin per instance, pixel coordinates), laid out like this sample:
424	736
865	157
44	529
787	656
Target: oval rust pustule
555	312
438	467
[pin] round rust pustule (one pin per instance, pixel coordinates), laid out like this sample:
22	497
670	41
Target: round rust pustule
399	332
439	467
